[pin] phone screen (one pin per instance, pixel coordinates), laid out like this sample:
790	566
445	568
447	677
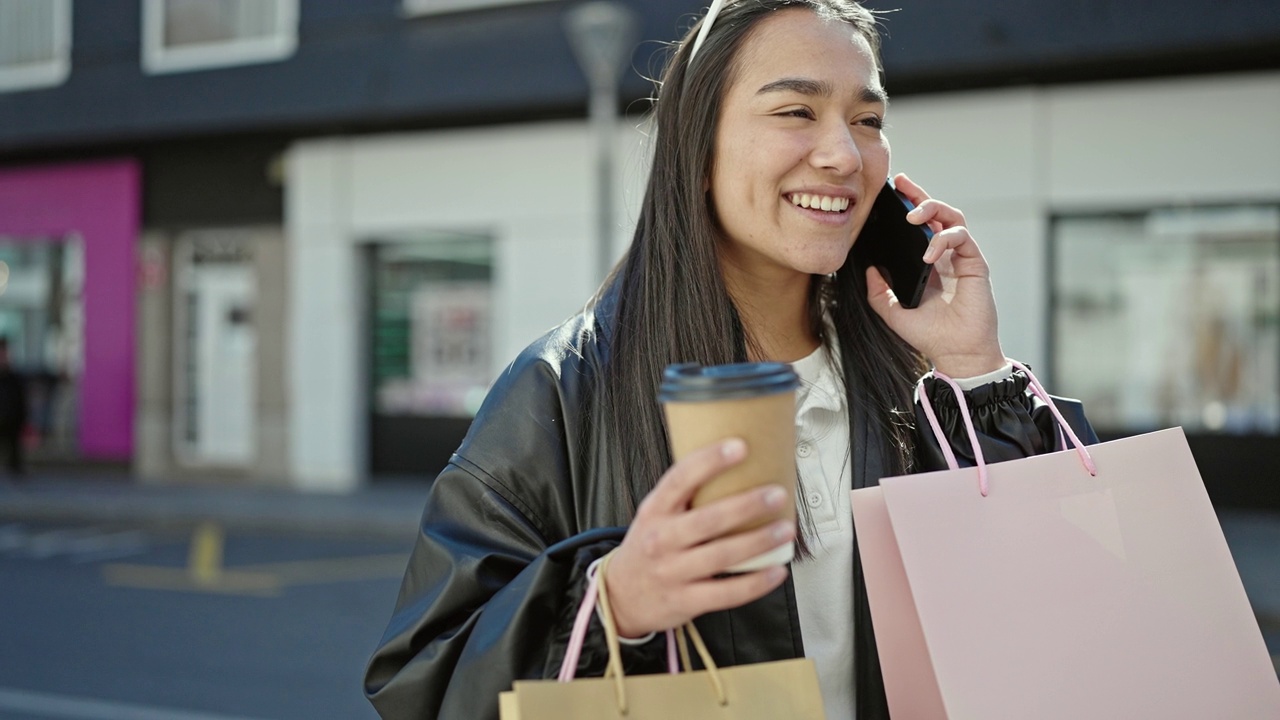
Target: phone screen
889	242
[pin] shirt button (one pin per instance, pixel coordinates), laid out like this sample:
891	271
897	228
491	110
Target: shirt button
804	449
815	499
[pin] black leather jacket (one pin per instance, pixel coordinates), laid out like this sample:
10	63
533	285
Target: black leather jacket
526	504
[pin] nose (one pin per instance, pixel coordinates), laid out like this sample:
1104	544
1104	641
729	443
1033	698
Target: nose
837	151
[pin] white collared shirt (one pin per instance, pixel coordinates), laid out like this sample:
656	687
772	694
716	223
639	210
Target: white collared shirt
824	584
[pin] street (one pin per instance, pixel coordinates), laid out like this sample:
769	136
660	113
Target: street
134	621
103	622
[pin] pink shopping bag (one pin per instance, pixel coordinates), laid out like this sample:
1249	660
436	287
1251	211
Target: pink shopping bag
1093	583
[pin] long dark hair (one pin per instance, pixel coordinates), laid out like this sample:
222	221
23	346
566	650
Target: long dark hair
672	301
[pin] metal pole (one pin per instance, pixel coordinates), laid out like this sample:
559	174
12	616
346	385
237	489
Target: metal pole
602	35
604	118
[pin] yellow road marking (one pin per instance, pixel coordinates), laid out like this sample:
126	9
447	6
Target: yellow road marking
205	571
303	572
204	560
228	582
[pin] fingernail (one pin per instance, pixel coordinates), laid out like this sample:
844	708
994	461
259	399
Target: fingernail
915	214
781	530
733	449
774	497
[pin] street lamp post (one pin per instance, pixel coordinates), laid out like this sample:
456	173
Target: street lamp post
603	35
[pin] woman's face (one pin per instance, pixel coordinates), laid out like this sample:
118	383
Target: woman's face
799	148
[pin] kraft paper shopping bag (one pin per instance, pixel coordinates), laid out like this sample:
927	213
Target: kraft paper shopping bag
765	691
1089	583
762	691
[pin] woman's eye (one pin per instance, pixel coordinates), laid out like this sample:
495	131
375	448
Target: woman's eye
872	121
798	112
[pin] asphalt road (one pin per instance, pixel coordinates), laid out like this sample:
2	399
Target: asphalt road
130	623
107	623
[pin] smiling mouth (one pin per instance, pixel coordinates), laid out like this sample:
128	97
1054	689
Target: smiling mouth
825	203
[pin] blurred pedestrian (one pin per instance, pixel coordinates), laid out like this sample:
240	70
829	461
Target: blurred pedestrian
13	411
770	150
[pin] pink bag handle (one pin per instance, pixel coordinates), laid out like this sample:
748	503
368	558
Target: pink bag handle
1036	389
952	463
579	635
1063	426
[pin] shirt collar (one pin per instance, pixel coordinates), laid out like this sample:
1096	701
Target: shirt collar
819	388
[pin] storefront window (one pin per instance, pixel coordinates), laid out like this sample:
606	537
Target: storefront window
42	321
432	326
1170	317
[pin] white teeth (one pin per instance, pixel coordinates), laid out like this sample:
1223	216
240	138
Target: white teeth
820	202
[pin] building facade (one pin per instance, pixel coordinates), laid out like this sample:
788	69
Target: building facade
349	216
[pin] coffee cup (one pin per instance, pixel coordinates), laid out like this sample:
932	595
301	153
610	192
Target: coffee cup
752	401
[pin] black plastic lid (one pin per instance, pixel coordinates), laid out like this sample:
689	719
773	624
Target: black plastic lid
690	382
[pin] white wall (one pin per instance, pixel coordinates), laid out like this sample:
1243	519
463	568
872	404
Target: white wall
527	186
323	343
1007	158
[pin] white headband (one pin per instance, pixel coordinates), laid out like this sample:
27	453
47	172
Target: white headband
705	30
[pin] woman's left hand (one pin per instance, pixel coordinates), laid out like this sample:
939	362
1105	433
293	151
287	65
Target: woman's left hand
955	326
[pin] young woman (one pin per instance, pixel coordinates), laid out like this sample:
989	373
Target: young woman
770	149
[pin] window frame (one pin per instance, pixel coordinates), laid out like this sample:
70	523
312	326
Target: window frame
50	74
158	60
421	8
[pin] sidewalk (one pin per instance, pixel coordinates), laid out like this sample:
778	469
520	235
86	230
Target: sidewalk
381	510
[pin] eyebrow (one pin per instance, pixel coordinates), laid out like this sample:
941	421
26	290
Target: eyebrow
806	86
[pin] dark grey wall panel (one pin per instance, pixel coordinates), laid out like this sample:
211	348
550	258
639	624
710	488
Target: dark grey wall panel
361	64
1002	41
212	183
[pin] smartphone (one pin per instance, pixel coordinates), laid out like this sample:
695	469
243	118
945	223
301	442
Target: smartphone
889	242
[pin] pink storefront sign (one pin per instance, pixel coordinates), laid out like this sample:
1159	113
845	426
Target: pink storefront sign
99	202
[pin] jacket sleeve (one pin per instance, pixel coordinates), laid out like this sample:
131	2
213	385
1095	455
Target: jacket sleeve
498	569
1010	423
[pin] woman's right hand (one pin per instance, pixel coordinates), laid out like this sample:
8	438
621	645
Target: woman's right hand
663	574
